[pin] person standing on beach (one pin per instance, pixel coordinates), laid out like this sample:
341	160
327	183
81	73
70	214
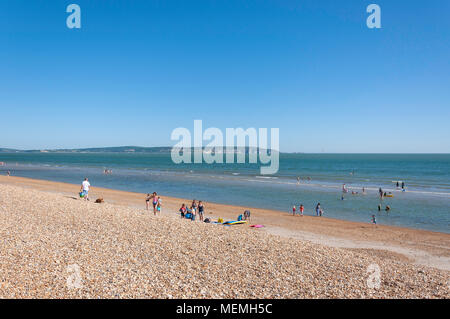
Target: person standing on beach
155	202
147	201
194	209
294	209
403	185
201	209
318	208
380	191
301	209
85	186
183	210
159	205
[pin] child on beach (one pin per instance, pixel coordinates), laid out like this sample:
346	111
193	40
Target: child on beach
301	209
374	220
159	205
293	210
147	201
85	186
193	213
247	215
194	209
183	210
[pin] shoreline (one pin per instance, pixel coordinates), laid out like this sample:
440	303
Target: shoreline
420	247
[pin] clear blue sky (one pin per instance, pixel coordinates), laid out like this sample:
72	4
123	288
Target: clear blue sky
138	69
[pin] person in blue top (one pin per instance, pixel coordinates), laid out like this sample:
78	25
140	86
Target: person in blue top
318	209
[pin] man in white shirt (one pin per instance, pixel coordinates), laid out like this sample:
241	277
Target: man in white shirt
85	189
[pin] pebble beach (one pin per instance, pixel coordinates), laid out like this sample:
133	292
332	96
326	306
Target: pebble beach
58	246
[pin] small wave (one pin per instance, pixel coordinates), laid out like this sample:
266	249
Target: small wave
266	177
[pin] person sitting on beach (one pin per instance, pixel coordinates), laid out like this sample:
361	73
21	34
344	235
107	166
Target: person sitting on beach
85	186
321	212
301	209
183	210
201	209
388	208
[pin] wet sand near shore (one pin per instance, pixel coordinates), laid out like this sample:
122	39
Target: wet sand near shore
421	247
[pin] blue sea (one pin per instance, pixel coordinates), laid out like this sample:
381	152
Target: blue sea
424	205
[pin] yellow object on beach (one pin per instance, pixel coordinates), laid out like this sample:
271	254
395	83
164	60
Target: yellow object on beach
220	220
389	195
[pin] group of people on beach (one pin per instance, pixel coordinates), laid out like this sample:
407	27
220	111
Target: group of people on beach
156	202
192	211
301	209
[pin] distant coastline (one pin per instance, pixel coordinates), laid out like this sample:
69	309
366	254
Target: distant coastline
159	149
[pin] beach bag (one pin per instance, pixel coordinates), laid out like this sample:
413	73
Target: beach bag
188	216
220	220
